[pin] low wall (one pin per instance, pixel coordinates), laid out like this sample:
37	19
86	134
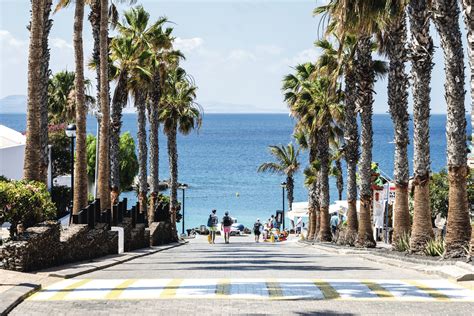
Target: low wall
46	245
160	233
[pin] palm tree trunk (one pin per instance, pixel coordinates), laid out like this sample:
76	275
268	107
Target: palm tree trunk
421	55
33	144
45	73
94	19
154	145
80	179
469	21
313	203
351	154
398	104
173	165
446	20
118	103
142	152
366	78
290	185
339	179
104	169
324	233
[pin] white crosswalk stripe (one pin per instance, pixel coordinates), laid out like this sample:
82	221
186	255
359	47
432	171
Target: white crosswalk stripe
236	288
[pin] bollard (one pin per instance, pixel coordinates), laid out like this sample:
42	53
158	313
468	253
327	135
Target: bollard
115	211
91	215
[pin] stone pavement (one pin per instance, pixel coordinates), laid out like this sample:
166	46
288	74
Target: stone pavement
248	278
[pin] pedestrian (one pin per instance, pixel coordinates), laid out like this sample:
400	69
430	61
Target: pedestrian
212	222
299	226
257	230
275	223
334	222
226	224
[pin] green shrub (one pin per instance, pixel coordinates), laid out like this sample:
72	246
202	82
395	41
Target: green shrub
127	157
61	197
402	244
434	247
26	203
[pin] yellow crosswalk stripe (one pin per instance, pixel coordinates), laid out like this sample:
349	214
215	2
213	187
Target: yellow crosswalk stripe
328	291
62	293
274	289
171	288
115	293
377	289
223	287
429	290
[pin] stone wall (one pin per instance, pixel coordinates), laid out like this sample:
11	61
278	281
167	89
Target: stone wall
46	245
138	237
160	233
127	233
37	248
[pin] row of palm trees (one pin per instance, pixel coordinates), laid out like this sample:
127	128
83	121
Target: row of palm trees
328	95
143	64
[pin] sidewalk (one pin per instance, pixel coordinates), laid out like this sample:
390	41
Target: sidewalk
451	269
16	286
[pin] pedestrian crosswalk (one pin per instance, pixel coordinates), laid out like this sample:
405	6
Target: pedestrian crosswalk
239	288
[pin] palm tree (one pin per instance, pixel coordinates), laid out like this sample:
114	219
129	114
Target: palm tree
446	20
305	132
33	139
179	112
421	56
286	163
80	166
396	38
104	167
469	21
45	72
336	172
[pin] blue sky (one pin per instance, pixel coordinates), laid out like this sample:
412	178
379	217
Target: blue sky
237	51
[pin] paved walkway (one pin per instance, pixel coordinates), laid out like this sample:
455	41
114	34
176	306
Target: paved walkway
244	277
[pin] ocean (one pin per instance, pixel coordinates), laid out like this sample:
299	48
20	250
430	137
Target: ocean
219	162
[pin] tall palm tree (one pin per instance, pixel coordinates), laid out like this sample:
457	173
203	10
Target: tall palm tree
80	166
33	140
104	167
336	172
468	14
45	72
287	164
446	20
179	112
395	40
305	132
421	56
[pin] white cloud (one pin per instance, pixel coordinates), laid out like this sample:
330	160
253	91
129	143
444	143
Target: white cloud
187	45
8	40
240	55
60	43
268	50
307	55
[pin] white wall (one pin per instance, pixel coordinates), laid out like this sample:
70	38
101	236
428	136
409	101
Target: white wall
11	161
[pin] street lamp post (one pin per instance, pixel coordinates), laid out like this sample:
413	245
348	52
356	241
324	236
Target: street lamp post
98	116
283	186
183	187
71	133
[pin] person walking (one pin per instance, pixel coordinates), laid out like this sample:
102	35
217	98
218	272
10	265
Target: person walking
212	222
257	230
334	222
226	224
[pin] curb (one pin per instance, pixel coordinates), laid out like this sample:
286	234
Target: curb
73	272
11	298
16	295
460	271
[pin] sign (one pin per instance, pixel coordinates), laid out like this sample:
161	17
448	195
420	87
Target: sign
279	217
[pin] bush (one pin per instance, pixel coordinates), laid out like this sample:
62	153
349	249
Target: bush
60	150
26	203
402	244
434	247
60	195
127	157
